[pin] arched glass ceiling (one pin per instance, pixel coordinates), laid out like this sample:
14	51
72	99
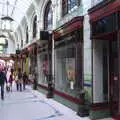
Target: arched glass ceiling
16	9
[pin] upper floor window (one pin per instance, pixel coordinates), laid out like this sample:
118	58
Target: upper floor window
34	26
27	35
48	16
69	6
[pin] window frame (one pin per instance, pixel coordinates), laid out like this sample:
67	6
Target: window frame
46	13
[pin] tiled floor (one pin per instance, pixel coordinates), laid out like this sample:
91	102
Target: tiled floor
32	105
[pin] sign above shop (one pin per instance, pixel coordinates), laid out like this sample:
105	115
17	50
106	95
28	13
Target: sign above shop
75	23
103	9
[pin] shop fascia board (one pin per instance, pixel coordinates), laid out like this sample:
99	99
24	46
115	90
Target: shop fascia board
29	45
103	9
74	24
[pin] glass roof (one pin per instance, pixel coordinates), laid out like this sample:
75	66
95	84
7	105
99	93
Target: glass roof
16	9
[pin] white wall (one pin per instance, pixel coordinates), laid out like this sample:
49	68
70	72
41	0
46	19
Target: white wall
87	60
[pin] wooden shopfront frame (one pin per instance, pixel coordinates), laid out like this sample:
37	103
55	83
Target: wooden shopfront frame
69	31
69	27
100	13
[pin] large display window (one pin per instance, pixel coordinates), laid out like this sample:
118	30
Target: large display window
68	67
43	68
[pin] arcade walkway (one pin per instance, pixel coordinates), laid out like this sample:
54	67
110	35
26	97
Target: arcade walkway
32	105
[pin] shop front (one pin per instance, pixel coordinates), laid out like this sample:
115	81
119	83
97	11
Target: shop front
43	66
32	49
105	36
69	60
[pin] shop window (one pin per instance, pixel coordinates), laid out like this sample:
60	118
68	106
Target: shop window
69	6
68	70
48	17
43	68
35	27
27	35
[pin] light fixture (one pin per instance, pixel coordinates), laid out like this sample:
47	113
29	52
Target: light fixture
6	19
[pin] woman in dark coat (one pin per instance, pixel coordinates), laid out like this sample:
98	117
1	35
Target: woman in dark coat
3	79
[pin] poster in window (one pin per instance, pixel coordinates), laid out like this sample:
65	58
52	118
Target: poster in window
70	69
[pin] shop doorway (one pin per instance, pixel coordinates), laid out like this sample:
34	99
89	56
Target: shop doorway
114	76
111	74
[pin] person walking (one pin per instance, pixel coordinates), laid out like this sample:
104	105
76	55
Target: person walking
3	79
10	81
25	78
19	81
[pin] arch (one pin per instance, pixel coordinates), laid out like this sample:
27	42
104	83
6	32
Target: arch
42	6
48	16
